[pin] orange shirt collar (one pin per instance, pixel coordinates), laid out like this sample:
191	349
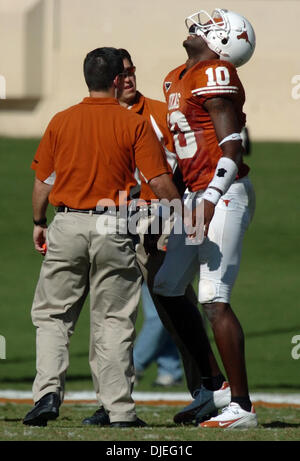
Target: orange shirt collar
89	100
139	105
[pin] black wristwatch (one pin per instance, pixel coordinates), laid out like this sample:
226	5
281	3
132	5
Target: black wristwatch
40	222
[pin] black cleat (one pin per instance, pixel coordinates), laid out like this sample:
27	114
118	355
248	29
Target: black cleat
47	408
99	418
137	423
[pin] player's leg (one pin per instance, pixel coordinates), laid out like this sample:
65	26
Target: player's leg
178	270
150	265
222	255
187	322
229	338
154	343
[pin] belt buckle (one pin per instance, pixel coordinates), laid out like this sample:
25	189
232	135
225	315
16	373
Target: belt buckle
145	211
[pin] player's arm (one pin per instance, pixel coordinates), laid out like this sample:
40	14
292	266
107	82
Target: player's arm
40	202
227	128
151	161
164	188
226	124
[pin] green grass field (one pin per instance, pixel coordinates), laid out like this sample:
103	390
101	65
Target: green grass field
274	425
265	298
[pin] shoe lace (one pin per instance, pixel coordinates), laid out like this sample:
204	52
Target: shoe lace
230	409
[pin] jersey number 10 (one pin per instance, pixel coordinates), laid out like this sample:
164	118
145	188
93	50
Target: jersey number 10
218	76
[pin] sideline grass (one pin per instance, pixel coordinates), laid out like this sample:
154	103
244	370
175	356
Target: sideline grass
274	425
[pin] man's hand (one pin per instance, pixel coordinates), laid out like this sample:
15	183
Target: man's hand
200	217
164	188
39	239
40	195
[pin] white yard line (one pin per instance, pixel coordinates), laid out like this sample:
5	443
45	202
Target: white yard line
139	396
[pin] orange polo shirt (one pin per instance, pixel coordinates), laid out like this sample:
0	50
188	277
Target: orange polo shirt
94	148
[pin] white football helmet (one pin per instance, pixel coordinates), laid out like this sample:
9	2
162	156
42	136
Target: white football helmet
228	34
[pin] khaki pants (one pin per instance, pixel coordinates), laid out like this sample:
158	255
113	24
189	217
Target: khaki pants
149	265
78	260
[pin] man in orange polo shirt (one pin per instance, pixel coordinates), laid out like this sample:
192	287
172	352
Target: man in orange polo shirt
150	252
93	148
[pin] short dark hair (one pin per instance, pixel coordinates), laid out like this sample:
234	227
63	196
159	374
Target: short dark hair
101	66
125	55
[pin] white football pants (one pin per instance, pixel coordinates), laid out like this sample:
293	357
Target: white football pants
218	257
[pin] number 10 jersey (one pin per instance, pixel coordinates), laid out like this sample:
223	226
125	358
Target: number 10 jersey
186	91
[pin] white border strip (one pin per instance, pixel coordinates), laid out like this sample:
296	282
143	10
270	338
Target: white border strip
293	399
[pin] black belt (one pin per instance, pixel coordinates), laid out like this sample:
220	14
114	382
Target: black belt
107	210
113	211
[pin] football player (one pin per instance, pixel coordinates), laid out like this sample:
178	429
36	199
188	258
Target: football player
205	110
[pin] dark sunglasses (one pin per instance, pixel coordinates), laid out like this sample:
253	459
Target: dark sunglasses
128	71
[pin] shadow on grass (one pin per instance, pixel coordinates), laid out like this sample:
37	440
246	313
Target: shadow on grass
274	331
13	420
280	424
279	387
